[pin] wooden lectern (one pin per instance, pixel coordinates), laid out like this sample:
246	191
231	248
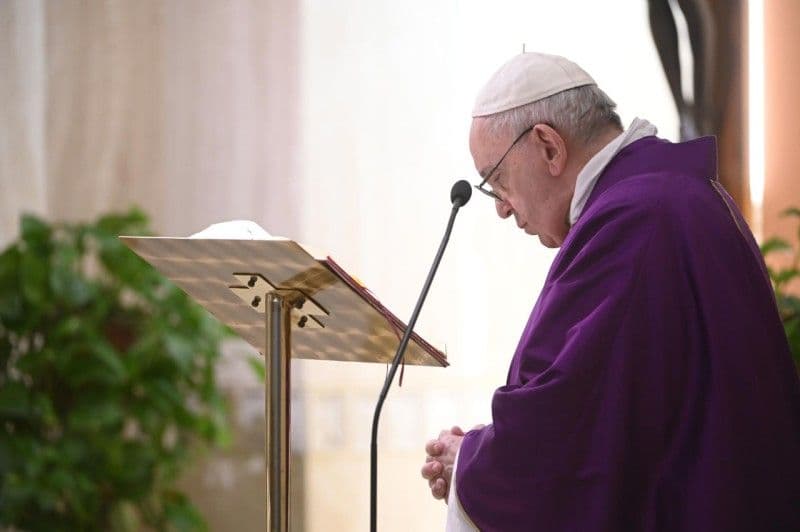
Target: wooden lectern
285	303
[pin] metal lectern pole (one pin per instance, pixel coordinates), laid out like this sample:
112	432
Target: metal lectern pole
276	409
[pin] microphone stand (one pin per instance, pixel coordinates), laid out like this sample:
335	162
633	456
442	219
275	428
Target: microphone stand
460	195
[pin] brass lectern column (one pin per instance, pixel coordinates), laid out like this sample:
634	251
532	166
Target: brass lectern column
277	358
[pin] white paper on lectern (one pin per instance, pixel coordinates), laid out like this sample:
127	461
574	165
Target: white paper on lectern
236	230
245	230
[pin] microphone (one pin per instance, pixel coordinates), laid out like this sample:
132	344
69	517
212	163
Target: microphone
459	196
461	192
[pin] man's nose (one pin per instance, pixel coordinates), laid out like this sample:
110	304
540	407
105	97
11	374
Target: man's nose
503	208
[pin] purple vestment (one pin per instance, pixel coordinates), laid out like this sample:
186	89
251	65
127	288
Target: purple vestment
652	388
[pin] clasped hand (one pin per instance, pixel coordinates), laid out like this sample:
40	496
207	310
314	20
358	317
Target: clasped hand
440	459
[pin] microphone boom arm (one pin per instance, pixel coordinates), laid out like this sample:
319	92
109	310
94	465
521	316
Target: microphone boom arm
460	195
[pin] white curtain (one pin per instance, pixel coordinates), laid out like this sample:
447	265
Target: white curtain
22	85
187	109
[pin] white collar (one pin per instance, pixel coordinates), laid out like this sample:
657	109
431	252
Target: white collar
590	173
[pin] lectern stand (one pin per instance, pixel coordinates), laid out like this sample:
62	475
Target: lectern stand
311	309
276	409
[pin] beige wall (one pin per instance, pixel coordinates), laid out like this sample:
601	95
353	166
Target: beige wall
782	115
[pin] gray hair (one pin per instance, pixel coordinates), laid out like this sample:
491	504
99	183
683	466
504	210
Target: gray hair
579	114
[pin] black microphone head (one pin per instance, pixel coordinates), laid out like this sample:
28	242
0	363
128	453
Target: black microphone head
461	192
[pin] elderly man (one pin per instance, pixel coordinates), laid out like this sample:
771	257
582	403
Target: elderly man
652	388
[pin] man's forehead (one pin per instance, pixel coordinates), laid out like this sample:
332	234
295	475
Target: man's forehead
479	149
483	146
478	128
479	135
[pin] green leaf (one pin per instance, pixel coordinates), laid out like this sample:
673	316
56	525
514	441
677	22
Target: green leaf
43	409
124	517
7	455
134	222
785	276
789	303
69	328
164	395
66	281
133	482
92	363
38	362
257	365
90	416
14	401
35	232
73	449
33	274
774	244
11	309
128	268
792	328
791	211
180	350
181	515
108	357
9	266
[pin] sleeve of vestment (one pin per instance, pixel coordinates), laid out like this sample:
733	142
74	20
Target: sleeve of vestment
588	354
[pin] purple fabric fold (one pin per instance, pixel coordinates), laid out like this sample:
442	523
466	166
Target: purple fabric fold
652	388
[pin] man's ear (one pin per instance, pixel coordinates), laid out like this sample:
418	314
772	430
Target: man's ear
552	148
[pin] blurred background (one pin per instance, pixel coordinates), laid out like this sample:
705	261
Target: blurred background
342	125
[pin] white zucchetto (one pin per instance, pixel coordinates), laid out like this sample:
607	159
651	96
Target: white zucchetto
527	78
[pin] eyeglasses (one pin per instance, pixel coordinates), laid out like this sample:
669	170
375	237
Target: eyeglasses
488	176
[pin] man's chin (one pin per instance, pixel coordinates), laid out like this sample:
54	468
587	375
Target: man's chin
549	242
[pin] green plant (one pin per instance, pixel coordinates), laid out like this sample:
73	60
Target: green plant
106	382
788	303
